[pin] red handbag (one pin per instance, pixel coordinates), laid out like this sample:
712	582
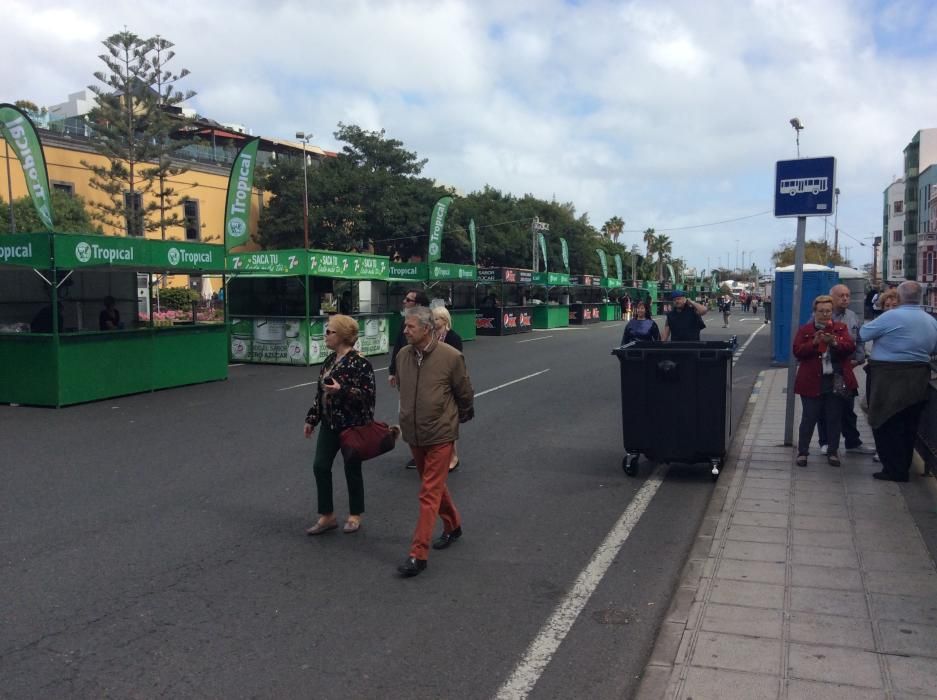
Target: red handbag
367	441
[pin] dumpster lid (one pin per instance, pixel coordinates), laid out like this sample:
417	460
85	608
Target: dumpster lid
726	345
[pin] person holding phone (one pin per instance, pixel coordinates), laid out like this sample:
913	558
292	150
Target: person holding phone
823	348
345	396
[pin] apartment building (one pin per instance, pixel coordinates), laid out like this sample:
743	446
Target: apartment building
893	232
918	156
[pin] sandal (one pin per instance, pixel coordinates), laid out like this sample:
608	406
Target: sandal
801	460
351	526
833	460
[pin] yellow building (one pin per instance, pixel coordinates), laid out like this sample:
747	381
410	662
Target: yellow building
201	190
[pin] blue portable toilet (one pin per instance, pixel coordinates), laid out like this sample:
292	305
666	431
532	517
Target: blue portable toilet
818	279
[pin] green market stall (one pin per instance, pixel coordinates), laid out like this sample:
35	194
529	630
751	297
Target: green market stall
611	310
279	302
454	284
503	309
553	313
53	288
587	300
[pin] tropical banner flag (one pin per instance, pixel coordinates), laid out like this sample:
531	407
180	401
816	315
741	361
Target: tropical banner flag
20	133
543	250
603	260
436	223
618	266
673	277
565	249
472	240
237	208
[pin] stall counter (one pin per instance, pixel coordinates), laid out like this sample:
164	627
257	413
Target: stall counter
551	316
506	320
581	314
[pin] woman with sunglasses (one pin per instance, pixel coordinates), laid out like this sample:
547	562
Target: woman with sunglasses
345	396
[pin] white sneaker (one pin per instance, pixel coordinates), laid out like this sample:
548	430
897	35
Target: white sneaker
861	450
824	449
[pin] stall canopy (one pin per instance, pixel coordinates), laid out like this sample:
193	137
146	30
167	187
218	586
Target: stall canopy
59	355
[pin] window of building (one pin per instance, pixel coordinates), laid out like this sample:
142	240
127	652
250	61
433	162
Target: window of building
133	207
929	264
193	224
897	265
899	206
896	236
66	187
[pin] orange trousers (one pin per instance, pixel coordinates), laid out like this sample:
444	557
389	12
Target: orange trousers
432	463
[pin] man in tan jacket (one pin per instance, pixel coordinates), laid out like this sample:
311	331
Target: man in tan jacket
435	397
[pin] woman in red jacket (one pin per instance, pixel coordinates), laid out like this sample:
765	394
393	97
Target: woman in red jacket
824	376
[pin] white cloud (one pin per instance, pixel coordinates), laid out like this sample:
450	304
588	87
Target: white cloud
664	113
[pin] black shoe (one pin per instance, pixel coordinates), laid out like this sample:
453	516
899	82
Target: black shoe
411	567
411	464
447	538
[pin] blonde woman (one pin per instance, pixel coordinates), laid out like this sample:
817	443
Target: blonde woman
345	396
442	322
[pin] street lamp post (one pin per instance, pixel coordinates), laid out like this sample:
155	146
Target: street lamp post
634	255
836	222
304	137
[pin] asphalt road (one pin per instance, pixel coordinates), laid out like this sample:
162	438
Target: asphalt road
153	545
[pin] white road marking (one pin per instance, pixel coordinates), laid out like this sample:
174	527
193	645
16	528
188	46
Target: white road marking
554	631
299	386
515	381
239	364
534	340
738	353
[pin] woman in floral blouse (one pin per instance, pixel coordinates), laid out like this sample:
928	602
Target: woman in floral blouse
344	398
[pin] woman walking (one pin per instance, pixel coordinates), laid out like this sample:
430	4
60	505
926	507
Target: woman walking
442	321
641	327
345	396
822	347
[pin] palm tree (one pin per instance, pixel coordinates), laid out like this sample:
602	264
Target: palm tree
613	228
663	247
649	239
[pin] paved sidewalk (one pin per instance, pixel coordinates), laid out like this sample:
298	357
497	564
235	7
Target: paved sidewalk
803	583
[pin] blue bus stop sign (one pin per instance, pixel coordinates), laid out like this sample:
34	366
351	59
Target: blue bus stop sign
804	187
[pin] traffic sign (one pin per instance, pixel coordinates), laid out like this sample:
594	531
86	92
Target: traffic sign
804	187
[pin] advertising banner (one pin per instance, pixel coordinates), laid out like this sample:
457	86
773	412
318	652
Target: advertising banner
20	133
237	208
186	256
603	260
472	241
26	249
551	279
451	271
565	247
407	271
436	223
618	267
272	262
347	265
543	249
298	341
75	251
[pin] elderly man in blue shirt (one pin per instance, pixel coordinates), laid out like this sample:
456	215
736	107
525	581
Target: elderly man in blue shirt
905	338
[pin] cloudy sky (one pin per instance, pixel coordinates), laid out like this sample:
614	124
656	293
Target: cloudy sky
668	114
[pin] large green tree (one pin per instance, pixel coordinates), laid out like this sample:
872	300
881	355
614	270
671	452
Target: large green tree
816	252
71	215
134	131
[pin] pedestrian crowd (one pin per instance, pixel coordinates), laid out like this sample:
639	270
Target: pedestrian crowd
436	396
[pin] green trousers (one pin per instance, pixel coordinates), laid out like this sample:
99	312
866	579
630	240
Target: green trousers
327	446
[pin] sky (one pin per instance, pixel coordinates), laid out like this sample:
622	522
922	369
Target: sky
668	114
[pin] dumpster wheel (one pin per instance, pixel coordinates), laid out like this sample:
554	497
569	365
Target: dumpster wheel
630	464
717	468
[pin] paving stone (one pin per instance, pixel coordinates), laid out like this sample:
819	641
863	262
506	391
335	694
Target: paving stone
762	505
737	619
818	538
737	653
913	675
757	571
831	497
904	608
908	639
711	684
834	665
756	533
824	556
763	519
896	561
826	577
753	594
830	602
830	510
814	522
831	630
922	584
758	492
755	551
807	690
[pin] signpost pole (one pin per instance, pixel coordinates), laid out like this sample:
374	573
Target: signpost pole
795	324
